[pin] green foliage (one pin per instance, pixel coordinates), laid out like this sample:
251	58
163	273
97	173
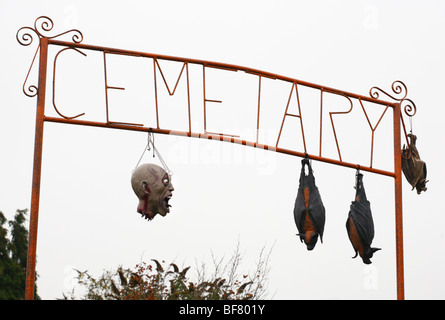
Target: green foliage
13	255
168	282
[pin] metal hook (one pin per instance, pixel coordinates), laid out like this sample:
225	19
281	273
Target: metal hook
151	140
356	176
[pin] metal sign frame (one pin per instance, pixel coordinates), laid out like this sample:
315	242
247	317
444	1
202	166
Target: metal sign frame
43	25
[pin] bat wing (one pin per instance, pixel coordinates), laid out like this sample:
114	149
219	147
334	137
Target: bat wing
300	203
308	205
360	213
317	210
414	170
300	211
360	225
413	167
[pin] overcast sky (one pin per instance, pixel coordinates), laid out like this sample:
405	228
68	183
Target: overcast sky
226	192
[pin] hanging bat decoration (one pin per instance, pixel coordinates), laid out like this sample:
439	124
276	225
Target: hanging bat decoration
413	167
309	212
359	224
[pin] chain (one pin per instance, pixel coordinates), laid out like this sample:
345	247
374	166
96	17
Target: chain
150	141
164	165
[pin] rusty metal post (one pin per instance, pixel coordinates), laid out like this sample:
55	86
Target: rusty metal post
398	202
35	196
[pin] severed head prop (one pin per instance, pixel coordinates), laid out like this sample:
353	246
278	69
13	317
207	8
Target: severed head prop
152	185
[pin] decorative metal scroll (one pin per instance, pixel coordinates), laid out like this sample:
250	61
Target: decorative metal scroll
399	94
26	35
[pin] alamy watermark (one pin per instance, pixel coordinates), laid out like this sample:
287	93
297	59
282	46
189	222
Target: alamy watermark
194	152
370	280
371	19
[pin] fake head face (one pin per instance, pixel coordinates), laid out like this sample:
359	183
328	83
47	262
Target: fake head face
153	187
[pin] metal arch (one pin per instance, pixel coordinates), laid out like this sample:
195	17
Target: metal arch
399	95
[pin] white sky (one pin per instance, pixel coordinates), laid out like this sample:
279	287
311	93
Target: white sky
225	192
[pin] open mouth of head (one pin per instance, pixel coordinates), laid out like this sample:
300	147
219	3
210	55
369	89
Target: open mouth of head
166	204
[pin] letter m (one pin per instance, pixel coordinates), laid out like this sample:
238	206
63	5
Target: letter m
171	92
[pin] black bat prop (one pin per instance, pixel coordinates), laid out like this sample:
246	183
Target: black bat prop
360	225
413	167
309	212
